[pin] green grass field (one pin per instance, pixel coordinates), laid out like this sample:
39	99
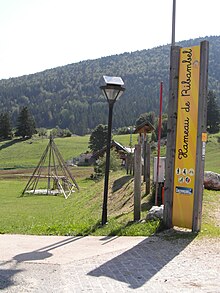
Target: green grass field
27	153
80	214
212	159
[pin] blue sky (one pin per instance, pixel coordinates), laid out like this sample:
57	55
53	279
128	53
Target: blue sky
42	34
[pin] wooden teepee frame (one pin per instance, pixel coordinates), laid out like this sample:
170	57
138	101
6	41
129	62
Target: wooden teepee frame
59	178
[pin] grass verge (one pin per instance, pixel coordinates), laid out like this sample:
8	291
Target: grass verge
80	214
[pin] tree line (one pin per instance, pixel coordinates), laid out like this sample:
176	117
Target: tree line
26	126
69	96
98	137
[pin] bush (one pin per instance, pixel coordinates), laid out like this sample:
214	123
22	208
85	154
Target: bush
99	168
124	130
115	162
42	132
58	132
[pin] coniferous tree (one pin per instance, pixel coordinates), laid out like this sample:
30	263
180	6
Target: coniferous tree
213	114
25	124
98	138
5	126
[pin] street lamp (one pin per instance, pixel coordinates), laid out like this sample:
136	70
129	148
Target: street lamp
112	91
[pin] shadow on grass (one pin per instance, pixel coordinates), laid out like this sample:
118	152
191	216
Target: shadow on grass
146	206
120	230
153	227
90	230
11	142
119	183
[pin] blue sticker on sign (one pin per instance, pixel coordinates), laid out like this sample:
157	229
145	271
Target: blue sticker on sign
184	190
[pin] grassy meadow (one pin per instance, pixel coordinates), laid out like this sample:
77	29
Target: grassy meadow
212	158
27	153
80	214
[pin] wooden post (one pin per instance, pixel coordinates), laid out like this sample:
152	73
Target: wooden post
158	144
171	135
127	163
148	168
145	158
200	152
137	182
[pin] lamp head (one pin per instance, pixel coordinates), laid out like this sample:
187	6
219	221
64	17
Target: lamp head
113	88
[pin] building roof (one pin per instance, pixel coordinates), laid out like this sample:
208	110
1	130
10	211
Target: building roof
115	144
145	127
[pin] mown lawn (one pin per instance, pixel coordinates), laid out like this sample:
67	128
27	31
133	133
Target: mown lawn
212	158
80	214
27	153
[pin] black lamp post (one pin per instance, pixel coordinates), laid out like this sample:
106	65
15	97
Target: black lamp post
112	91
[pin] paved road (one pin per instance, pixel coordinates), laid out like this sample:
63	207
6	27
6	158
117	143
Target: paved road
108	264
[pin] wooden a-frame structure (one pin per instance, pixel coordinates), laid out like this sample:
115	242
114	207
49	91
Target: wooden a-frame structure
55	178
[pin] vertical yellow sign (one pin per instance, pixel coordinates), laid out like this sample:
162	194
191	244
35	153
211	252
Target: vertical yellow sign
186	137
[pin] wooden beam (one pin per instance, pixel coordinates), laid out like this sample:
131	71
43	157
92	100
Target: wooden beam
202	122
171	135
137	182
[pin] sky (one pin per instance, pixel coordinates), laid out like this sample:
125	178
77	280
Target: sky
36	35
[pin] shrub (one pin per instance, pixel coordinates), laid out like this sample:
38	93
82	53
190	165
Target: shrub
99	168
58	132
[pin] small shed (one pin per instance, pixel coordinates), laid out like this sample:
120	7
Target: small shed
144	128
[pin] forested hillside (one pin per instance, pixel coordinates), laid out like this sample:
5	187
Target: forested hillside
69	96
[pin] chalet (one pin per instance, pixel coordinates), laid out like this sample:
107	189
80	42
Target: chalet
120	149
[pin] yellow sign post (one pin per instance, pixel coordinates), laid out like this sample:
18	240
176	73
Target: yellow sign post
186	134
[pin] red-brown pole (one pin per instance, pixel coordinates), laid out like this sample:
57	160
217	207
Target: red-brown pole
158	144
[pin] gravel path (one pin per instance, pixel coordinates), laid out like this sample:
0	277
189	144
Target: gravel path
108	264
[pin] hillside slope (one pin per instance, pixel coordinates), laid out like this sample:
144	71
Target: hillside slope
69	96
